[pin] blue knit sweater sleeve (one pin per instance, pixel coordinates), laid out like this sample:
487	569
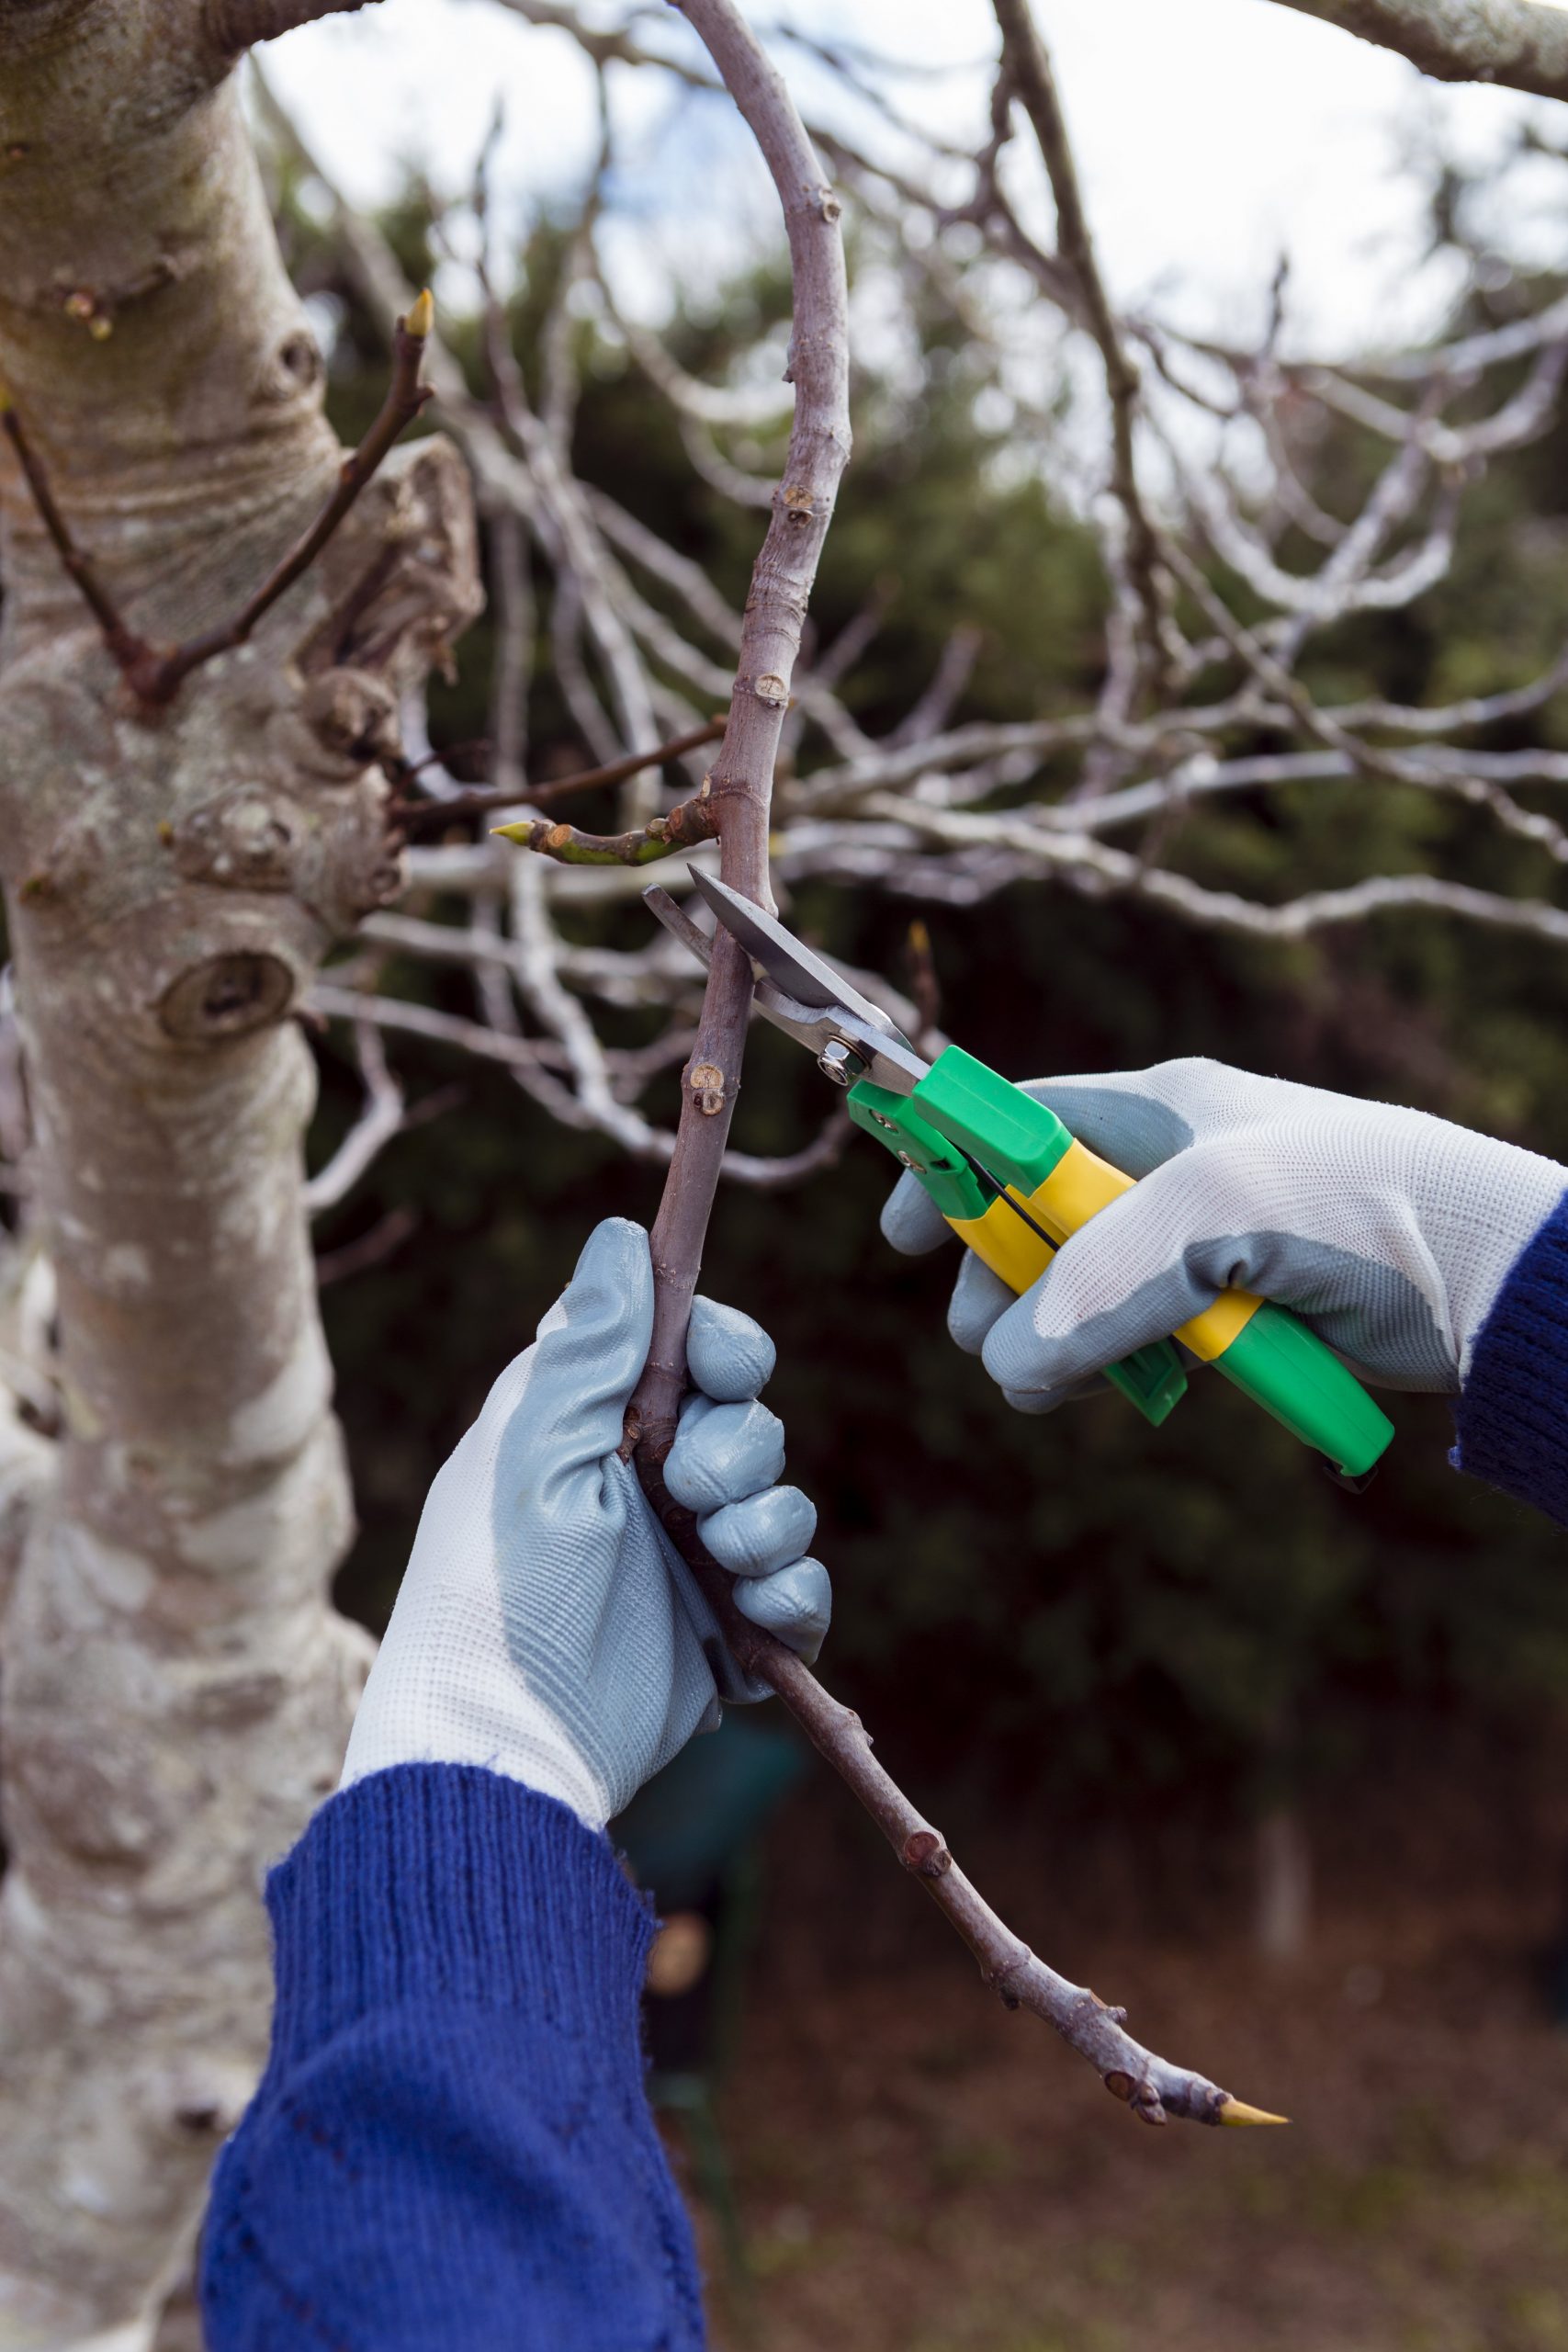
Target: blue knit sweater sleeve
451	2150
1512	1420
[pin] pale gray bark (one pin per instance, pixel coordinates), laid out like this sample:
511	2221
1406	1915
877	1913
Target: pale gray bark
1519	43
177	1688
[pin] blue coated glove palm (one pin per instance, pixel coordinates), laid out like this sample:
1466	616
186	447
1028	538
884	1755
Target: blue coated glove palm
1388	1231
546	1627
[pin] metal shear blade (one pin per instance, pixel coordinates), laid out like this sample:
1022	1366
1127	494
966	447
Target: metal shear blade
799	993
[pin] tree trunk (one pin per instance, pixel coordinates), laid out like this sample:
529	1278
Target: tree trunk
177	1687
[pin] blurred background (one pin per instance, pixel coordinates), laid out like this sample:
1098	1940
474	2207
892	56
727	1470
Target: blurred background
1284	1769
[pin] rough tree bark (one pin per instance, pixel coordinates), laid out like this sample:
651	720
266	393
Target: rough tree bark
1522	44
177	1688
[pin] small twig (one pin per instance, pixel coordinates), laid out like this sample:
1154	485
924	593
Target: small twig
127	648
406	395
924	985
1033	80
428	816
155	675
683	827
385	1238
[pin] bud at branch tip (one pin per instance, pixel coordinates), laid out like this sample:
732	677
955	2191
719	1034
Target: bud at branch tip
422	318
1236	2110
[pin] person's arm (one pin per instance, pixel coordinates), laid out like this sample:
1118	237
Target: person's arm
451	2149
1428	1258
1511	1418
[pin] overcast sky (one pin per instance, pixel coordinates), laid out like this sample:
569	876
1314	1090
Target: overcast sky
1210	134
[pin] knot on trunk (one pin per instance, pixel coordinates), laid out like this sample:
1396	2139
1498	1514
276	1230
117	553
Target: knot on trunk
226	996
243	840
354	716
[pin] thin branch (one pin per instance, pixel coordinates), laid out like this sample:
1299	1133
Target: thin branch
155	675
234	25
1019	847
1515	42
931	712
1152	2087
127	649
426	816
381	1119
1029	68
689	822
384	1238
406	395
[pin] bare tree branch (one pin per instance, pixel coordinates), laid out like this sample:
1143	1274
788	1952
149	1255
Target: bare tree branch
415	816
1518	43
1028	63
233	26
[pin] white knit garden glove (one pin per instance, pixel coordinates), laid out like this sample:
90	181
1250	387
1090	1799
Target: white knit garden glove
1390	1232
546	1627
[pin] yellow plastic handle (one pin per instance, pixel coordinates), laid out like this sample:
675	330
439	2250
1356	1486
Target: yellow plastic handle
1078	1188
1001	1241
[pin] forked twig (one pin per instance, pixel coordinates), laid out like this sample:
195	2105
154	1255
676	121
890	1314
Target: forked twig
156	673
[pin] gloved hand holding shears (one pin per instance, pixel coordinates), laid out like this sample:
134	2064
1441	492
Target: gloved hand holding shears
1387	1231
1293	1239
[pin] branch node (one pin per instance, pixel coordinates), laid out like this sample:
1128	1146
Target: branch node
706	1083
926	1854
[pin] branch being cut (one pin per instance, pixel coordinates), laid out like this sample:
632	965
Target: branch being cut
1517	42
742	789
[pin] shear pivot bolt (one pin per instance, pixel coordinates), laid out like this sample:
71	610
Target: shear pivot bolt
841	1062
918	1165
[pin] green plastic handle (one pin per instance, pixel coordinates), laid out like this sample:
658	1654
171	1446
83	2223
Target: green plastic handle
1273	1359
1285	1368
1152	1378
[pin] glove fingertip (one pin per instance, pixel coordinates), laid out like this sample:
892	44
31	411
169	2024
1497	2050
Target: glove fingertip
611	1285
795	1605
979	1300
729	1357
911	1220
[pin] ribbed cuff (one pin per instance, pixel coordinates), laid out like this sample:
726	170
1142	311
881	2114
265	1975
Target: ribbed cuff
1512	1420
446	1881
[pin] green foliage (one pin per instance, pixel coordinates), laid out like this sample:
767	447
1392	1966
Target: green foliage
1121	1608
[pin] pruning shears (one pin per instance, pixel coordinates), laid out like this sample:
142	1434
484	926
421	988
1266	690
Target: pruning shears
1013	1182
